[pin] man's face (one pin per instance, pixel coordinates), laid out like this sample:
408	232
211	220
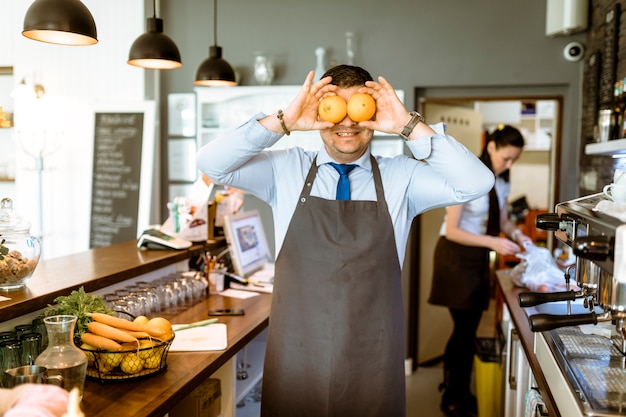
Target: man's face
346	141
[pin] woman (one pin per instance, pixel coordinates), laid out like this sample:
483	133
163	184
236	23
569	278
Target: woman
461	266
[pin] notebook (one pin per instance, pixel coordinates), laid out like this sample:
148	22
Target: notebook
249	252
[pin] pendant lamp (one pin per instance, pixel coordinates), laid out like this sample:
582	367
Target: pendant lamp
154	49
215	71
63	22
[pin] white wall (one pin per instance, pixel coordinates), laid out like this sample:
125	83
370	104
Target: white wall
76	79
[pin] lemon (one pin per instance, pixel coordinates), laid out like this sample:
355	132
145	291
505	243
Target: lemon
131	363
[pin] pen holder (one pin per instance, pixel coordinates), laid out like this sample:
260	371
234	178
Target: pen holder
216	278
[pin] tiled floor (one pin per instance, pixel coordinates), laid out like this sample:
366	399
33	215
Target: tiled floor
422	395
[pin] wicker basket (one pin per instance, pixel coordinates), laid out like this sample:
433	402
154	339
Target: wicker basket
148	360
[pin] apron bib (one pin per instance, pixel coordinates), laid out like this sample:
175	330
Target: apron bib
335	343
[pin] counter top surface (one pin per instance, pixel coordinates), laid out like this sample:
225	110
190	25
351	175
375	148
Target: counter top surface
93	269
157	394
510	294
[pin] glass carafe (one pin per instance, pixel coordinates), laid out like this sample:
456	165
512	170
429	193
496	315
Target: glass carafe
62	357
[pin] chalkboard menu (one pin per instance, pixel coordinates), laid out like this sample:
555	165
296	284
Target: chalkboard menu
609	62
115	185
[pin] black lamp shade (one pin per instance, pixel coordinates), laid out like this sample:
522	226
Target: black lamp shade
64	22
215	71
154	49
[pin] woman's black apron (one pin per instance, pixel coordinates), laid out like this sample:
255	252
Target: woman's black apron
336	337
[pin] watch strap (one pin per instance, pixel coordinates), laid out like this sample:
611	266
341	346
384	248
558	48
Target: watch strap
416	118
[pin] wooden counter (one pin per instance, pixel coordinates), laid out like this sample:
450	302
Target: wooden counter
93	269
509	295
156	395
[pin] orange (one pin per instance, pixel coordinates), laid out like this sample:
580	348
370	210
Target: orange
332	109
361	107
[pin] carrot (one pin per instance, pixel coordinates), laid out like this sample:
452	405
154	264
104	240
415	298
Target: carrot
118	322
100	342
126	324
113	333
137	335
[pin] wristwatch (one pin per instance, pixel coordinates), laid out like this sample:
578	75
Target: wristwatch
415	119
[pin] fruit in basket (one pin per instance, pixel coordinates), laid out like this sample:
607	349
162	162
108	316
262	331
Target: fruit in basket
122	346
154	360
161	326
131	363
112	359
88	349
141	320
158	327
147	348
107	361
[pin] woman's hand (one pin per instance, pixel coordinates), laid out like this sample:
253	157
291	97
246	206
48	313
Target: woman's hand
504	246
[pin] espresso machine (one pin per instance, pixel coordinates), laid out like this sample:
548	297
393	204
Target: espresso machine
599	242
591	360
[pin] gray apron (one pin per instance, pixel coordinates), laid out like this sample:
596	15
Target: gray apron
335	345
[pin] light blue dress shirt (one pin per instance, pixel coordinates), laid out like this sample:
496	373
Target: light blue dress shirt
443	172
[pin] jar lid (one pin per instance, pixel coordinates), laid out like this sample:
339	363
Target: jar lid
9	220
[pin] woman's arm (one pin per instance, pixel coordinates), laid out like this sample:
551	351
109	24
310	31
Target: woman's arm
456	234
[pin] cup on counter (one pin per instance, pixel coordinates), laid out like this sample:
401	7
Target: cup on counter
29	374
216	278
615	192
619	176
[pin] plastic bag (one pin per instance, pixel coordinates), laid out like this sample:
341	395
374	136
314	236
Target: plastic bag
538	271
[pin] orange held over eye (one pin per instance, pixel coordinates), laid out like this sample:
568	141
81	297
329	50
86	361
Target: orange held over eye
361	107
332	109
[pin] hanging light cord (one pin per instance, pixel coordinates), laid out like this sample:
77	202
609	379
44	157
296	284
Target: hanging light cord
215	22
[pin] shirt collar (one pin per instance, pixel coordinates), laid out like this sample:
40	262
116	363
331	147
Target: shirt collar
364	161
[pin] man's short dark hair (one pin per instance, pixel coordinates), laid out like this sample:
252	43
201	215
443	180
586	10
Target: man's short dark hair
345	76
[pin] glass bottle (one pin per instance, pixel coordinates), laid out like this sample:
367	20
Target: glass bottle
62	357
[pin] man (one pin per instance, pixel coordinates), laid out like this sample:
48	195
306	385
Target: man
336	337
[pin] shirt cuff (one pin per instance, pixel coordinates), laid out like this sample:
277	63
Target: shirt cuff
421	148
262	136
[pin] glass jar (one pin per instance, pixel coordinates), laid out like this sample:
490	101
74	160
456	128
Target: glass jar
62	357
19	251
263	69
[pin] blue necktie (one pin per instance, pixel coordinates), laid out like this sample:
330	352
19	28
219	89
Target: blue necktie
343	186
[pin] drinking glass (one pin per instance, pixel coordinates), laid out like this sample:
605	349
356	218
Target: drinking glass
10	355
31	347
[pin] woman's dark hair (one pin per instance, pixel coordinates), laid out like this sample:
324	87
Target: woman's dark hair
504	135
346	76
